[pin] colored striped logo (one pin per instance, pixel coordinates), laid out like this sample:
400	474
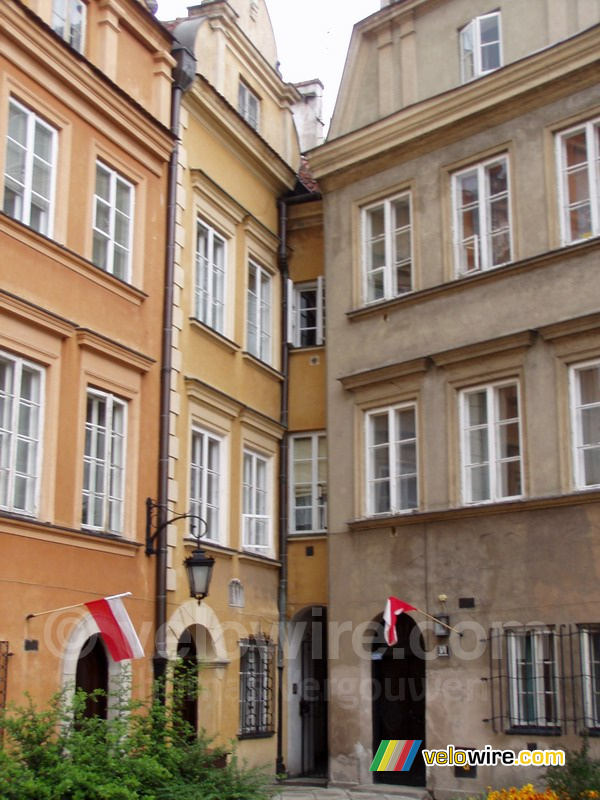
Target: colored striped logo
395	755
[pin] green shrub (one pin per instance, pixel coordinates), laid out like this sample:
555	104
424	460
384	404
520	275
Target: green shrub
146	751
579	779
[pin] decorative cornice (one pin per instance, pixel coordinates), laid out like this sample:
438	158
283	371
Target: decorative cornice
97	343
108	106
204	393
223	121
261	423
214	192
213	398
587	324
514	342
525	84
390	372
33	314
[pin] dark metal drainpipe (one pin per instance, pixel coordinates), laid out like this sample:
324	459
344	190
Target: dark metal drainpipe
183	76
283	481
283	204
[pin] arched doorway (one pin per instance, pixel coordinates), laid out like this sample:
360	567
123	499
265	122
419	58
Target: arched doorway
208	635
399	696
185	679
307	717
92	674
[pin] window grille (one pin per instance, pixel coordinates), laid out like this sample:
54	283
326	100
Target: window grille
256	688
545	680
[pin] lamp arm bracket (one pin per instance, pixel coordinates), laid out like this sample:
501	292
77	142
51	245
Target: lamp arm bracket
154	528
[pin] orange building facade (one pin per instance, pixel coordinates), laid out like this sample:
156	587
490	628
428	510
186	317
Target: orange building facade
84	112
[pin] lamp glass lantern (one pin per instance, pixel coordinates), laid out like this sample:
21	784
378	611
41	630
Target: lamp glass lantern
199	569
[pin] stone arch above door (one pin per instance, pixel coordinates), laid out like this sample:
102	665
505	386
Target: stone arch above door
193	616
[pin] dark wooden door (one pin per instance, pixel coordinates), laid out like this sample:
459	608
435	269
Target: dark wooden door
92	674
399	699
313	699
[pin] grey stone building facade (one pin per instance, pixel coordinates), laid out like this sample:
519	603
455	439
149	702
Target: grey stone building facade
461	188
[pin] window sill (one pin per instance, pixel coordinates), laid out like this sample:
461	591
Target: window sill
307	535
505	507
34	528
298	348
219	338
209	544
248	555
262	735
69	258
269	371
455	285
536	730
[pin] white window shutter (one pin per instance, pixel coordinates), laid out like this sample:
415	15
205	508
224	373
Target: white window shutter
320	310
292	315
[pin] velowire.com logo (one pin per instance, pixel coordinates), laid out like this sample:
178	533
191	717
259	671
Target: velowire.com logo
395	755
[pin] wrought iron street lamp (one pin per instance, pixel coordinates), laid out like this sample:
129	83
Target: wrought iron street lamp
198	566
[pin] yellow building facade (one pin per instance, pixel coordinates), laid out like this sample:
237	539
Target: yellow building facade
84	113
239	155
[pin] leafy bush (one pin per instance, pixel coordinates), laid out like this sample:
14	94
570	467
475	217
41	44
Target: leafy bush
579	779
146	751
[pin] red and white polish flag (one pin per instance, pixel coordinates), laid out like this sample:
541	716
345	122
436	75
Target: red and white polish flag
393	609
116	628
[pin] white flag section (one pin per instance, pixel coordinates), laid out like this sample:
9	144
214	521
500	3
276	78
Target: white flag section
116	628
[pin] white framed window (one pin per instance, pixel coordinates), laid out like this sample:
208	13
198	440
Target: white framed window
113	222
30	169
104	462
68	21
306	313
209	288
206	477
387	248
578	156
392	478
308	483
248	105
21	387
585	424
258	322
491	443
533	679
256	503
590	661
482	216
480	47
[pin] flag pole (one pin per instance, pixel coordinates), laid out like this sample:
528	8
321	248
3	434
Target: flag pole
439	621
76	605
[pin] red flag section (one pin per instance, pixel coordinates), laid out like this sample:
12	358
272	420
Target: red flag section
393	608
116	628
